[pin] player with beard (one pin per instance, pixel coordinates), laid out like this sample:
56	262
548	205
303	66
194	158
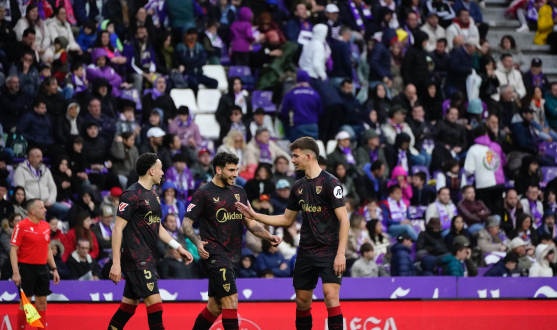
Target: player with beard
134	245
323	237
220	245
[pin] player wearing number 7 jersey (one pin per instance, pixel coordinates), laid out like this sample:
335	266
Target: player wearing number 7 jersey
220	245
319	196
134	245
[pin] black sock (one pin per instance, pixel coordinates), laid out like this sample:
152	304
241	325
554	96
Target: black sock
230	319
154	317
335	321
304	321
122	316
204	320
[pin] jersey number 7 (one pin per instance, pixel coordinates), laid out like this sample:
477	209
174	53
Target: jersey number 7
223	270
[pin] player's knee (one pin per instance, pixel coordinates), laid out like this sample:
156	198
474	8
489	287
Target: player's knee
303	303
230	302
331	298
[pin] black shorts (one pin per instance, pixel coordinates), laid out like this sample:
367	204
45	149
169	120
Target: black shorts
34	280
308	270
222	281
140	284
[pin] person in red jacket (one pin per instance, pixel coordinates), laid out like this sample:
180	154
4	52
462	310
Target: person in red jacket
82	229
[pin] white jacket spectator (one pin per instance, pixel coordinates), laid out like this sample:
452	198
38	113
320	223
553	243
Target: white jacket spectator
468	31
58	26
287	250
508	75
485	161
434	32
315	54
433	209
541	267
42	36
36	178
390	135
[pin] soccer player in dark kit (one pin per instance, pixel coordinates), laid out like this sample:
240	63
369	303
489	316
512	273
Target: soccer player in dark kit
134	245
220	244
324	234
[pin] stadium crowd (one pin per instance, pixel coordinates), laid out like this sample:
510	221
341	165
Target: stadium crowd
439	140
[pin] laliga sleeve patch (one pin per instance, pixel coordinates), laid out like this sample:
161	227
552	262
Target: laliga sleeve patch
337	192
122	206
190	207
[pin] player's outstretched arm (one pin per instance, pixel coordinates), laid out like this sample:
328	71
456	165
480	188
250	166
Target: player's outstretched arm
340	260
187	229
167	239
115	271
284	220
255	228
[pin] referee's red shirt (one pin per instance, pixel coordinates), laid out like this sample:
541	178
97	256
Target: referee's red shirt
33	240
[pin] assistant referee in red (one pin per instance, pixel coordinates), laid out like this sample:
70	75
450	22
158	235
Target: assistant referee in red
29	255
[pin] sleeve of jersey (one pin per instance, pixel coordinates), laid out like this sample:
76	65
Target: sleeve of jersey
126	206
293	203
196	206
336	195
17	236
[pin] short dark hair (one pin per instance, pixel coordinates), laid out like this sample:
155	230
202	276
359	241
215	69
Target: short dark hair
91	25
461	10
76	65
345	81
50	217
223	158
504	56
29	31
305	143
191	30
441	189
278	158
37	101
28	52
457	247
235	108
145	162
265	246
466	187
5	184
443	40
322	160
366	247
179	157
31	202
183	110
376	165
511	257
126	135
421	176
480	130
392	189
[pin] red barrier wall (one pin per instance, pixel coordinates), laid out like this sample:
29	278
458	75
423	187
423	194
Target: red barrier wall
359	315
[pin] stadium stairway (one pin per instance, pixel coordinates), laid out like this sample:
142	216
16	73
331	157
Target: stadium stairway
494	15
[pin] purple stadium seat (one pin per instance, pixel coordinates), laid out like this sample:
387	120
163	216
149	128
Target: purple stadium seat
105	193
549	173
239	71
224	58
551	149
416	169
263	99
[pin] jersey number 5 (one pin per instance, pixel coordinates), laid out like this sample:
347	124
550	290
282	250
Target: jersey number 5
223	270
147	274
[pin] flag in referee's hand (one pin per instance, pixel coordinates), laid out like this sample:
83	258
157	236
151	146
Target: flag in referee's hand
30	311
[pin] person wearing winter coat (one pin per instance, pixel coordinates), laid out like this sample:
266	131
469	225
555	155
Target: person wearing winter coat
100	68
370	150
457	229
525	230
184	127
340	54
434	32
431	241
69	125
415	68
443	10
506	267
248	268
491	238
158	98
443	208
380	56
343	154
124	155
170	204
485	161
299	29
82	230
173	267
316	54
37	127
401	262
545	22
85	204
29	80
545	255
398	155
270	258
81	265
58	26
396	214
242	37
42	33
464	26
262	150
509	76
461	64
396	125
57	249
457	263
13	103
181	176
358	16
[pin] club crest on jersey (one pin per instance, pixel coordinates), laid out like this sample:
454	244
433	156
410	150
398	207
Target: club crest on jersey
151	286
237	196
216	200
300	191
318	189
226	287
190	207
122	206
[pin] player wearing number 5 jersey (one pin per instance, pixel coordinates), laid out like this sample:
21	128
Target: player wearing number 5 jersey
324	234
220	245
134	245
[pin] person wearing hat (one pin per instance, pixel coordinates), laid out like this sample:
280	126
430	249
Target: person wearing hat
491	238
124	155
261	149
371	150
401	261
518	246
333	22
57	249
431	245
154	144
343	154
535	77
112	200
545	261
70	124
202	169
185	128
434	31
103	231
279	198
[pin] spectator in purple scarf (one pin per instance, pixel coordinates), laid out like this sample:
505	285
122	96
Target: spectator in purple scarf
185	128
343	154
262	150
170	204
180	175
